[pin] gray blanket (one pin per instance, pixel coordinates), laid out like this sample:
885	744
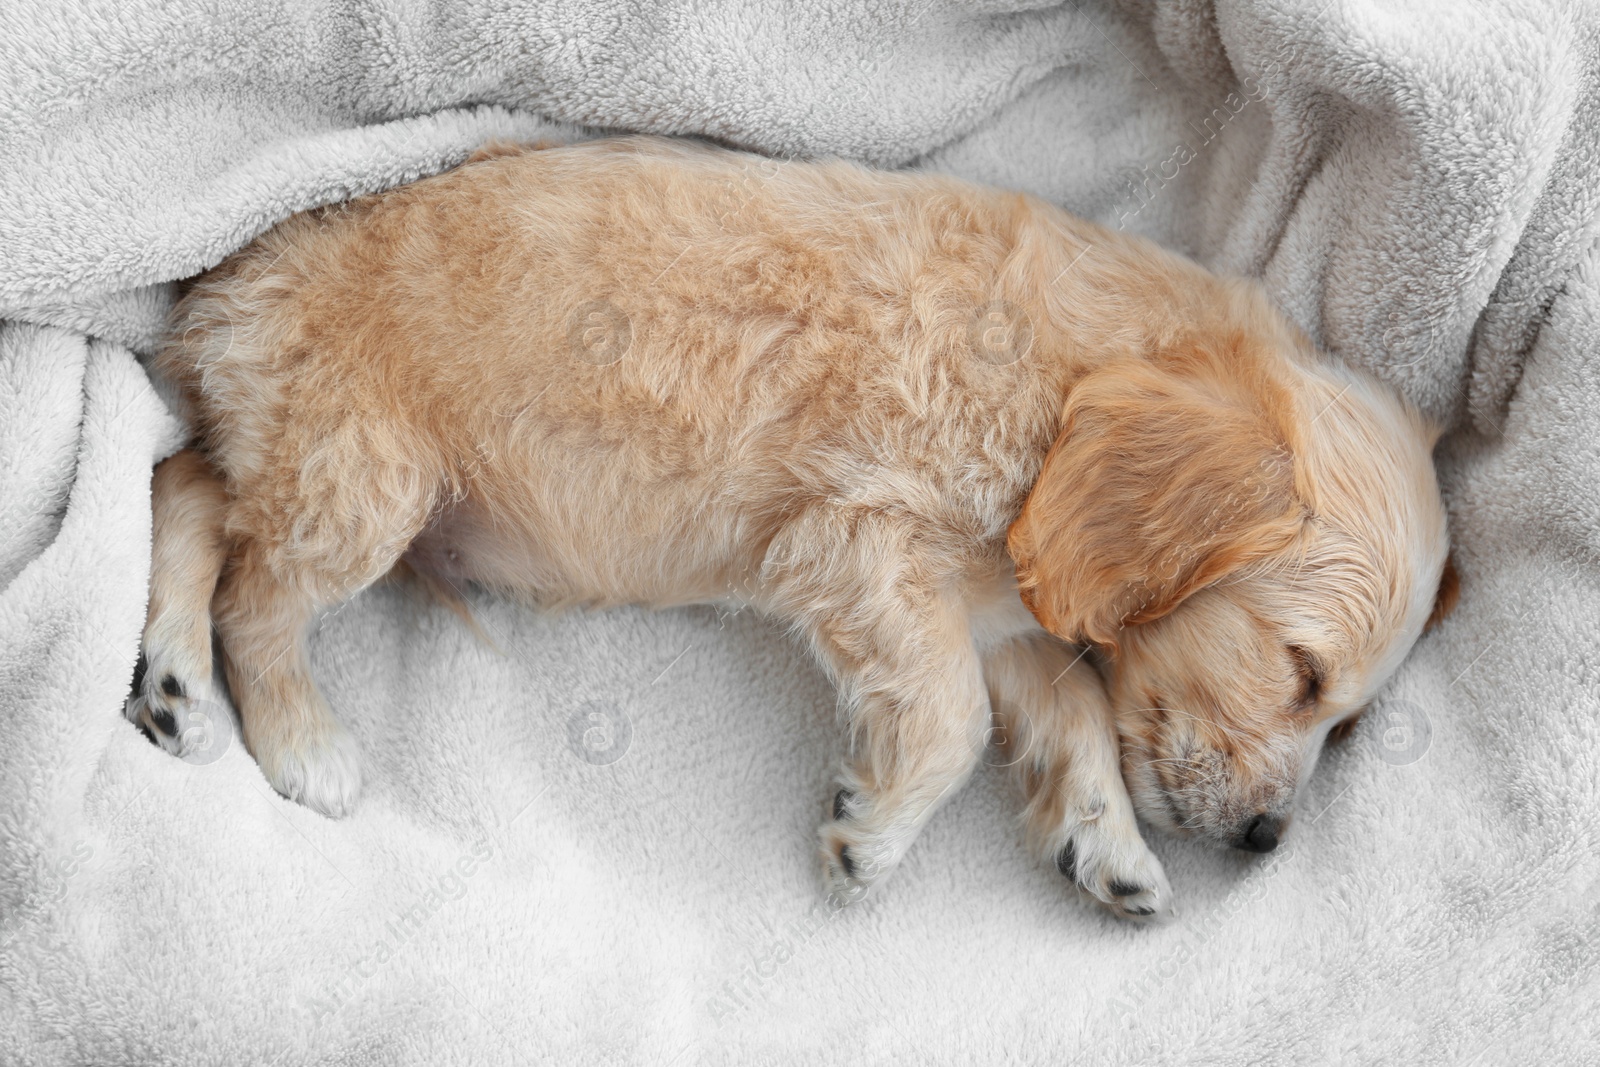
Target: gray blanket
593	841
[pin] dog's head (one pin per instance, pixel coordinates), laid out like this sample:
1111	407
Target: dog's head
1254	538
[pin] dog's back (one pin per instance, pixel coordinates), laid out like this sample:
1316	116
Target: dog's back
713	339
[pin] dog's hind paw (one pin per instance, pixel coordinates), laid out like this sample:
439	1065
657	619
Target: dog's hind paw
178	711
323	773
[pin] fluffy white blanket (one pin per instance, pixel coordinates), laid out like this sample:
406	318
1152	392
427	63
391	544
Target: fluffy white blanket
595	845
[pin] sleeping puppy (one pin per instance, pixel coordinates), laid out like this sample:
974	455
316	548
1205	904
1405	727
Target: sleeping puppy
953	437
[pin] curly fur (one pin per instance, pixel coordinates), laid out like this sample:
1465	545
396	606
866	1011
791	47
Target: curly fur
888	409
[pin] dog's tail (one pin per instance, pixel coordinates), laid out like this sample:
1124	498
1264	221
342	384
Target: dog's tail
188	549
445	592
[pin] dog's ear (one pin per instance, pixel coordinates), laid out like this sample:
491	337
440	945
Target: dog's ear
1163	480
1449	592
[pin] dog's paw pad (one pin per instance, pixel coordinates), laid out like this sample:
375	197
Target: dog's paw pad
163	721
173	713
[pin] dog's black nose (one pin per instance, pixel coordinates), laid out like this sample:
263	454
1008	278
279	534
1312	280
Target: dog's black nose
1260	834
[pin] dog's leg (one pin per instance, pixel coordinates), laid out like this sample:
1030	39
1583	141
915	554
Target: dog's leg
1057	730
188	502
898	643
264	607
918	714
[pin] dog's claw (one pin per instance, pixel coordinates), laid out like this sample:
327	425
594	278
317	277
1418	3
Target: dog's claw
1067	861
846	862
1123	876
841	803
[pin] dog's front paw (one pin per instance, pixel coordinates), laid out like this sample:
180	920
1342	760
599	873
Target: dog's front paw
321	772
856	851
1112	864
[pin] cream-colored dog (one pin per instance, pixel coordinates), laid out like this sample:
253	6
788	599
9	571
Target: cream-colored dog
950	435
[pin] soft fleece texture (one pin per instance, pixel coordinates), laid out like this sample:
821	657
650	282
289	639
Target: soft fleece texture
1418	188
